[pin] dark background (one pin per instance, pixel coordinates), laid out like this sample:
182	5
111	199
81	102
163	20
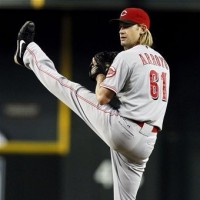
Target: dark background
173	169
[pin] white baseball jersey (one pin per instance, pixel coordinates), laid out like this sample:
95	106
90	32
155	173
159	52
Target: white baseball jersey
140	78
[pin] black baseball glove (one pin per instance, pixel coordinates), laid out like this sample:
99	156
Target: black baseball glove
101	63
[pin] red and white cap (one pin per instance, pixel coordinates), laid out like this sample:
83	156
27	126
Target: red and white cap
134	16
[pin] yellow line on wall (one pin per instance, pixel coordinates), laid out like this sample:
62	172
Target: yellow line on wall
37	4
64	120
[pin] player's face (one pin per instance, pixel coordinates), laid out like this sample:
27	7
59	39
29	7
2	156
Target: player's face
129	35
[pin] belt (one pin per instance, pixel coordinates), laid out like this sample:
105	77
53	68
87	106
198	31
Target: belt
155	129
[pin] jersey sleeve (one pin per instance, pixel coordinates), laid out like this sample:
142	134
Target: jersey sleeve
117	75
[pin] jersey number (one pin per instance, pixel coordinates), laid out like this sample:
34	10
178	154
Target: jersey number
154	87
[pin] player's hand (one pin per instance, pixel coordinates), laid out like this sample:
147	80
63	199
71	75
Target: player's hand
101	63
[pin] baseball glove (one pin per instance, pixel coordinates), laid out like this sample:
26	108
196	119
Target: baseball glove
101	63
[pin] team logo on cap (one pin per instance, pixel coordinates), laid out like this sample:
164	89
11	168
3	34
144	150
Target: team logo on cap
124	12
111	72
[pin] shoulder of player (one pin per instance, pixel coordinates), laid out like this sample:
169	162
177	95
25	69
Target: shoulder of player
131	53
144	54
134	50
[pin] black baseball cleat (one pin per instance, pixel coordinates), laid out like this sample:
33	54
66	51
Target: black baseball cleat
25	36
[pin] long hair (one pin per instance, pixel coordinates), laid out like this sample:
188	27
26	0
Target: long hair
146	39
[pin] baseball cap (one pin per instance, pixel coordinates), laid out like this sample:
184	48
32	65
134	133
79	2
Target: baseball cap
134	16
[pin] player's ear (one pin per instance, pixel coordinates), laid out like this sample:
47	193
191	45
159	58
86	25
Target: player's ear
143	28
